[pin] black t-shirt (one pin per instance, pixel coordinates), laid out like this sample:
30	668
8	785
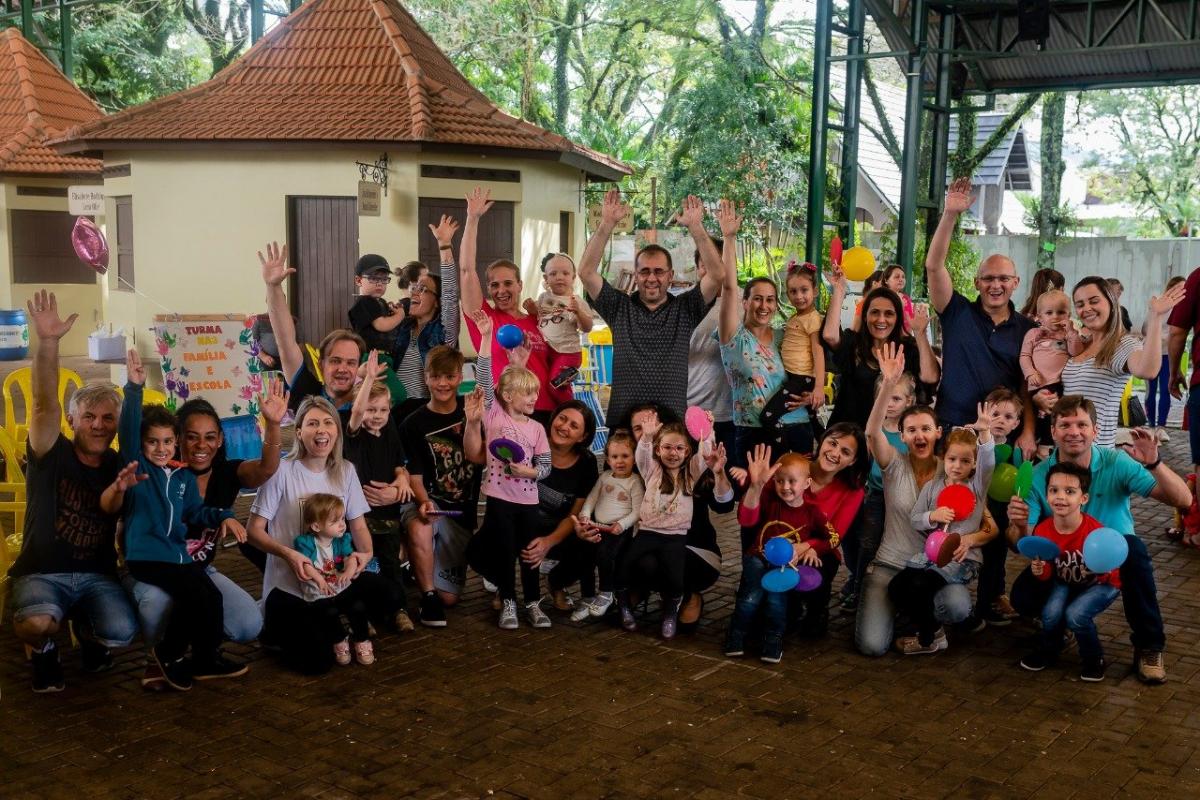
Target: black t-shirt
375	458
561	488
365	311
221	492
65	530
434	445
856	380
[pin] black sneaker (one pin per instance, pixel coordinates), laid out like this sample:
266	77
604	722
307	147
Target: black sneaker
815	624
433	611
47	671
1093	671
772	651
177	673
991	616
219	667
96	657
1035	661
735	644
971	624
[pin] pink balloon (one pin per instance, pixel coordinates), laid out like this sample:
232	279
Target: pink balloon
90	245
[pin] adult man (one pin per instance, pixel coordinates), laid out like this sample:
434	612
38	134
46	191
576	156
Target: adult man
1185	319
68	561
1116	476
651	328
981	339
444	443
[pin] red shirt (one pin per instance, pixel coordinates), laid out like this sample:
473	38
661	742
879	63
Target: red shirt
1069	565
548	398
1187	315
839	503
809	521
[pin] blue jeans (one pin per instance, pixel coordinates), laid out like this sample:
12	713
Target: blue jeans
875	624
95	600
1078	607
860	545
1158	395
1193	409
750	596
242	620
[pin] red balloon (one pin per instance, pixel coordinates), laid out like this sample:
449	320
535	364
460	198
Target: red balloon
835	250
959	499
90	245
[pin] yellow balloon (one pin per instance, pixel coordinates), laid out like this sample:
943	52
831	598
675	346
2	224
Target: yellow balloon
858	263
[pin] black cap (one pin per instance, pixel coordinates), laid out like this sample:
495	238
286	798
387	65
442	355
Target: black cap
371	263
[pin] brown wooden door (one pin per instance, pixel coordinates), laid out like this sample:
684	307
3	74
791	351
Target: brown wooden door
495	230
323	243
42	251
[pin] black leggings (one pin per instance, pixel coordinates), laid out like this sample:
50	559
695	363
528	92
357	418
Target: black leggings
306	632
514	525
579	560
654	561
197	617
912	591
386	538
361	602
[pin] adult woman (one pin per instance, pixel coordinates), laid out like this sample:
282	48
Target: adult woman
750	348
504	290
314	465
1102	369
1158	391
903	477
432	319
873	281
1043	281
854	351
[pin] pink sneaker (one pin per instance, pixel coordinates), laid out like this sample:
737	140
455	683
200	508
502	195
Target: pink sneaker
341	652
364	653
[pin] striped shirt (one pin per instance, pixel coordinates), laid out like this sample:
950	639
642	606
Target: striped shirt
1104	386
411	371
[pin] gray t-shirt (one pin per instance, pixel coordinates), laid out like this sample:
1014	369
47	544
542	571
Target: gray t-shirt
927	500
708	386
900	542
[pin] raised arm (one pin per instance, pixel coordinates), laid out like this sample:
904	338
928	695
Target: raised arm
483	364
274	272
692	217
45	421
731	223
1147	362
273	403
129	428
941	285
929	370
363	397
470	286
832	332
612	211
891	367
473	446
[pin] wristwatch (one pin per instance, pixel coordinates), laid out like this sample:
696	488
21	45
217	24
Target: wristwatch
1154	466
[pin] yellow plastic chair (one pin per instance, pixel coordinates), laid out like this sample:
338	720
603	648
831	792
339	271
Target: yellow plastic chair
22	380
829	388
314	355
14	485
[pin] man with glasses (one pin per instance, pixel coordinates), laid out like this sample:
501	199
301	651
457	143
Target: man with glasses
651	328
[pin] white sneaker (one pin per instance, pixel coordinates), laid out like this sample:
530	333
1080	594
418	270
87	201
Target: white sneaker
601	603
490	587
547	565
537	617
583	610
1163	436
508	615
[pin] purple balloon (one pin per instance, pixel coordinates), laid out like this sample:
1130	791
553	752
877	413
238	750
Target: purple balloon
90	244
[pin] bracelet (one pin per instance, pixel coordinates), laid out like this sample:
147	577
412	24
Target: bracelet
272	444
445	247
1154	466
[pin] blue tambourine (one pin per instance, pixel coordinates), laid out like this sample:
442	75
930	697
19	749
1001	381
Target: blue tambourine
1037	547
783	579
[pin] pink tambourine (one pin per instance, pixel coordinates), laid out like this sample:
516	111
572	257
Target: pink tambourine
699	423
90	244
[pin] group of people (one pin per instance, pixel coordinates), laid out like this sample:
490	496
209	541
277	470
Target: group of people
714	405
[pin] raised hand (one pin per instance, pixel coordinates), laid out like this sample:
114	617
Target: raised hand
985	417
837	278
43	313
473	406
273	402
758	465
891	361
479	201
958	196
714	458
920	320
127	478
1163	303
133	366
692	212
613	210
651	424
483	322
738	474
1144	447
728	218
274	265
444	231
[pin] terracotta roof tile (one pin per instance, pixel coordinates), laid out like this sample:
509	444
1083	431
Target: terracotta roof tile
334	70
37	103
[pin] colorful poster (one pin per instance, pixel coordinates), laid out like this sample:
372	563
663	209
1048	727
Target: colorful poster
213	356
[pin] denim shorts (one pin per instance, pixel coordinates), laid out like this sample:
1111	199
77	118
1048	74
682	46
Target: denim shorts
96	600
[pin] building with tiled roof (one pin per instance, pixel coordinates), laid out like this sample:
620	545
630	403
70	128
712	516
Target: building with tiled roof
37	103
277	147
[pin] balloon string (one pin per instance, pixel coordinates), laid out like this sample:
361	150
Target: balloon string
140	293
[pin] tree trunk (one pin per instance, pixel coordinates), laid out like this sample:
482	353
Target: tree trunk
562	56
1054	111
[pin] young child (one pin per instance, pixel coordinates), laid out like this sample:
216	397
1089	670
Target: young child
160	499
1078	595
606	520
860	547
561	315
658	553
992	604
802	352
372	317
1045	352
325	544
372	444
511	488
777	509
968	460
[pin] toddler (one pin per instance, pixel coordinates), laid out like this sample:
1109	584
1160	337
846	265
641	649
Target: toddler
777	510
801	350
561	315
1077	595
1045	351
372	317
325	543
606	521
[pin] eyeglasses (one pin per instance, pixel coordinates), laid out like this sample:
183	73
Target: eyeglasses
1001	279
646	272
379	280
673	448
419	289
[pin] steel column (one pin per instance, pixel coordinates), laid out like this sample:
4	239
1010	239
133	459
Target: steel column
257	20
856	13
67	38
906	235
27	19
815	224
941	124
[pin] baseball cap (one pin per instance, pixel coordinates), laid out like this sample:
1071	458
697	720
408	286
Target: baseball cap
371	263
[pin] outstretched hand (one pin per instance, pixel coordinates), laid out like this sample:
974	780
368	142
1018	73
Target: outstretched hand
758	465
273	402
127	478
692	212
134	368
958	196
444	231
613	209
891	361
1163	303
274	265
43	313
728	218
479	202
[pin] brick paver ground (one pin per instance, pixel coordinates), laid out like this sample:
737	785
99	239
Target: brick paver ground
587	711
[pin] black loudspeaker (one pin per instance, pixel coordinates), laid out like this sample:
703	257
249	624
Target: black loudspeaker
1033	20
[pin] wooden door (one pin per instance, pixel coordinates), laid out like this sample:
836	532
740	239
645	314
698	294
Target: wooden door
495	231
42	251
323	246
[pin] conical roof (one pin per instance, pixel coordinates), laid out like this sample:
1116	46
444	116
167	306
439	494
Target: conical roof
358	71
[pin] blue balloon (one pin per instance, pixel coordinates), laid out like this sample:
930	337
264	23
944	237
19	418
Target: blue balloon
510	336
778	551
1104	550
780	580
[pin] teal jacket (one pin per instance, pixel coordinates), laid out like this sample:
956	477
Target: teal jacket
158	511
